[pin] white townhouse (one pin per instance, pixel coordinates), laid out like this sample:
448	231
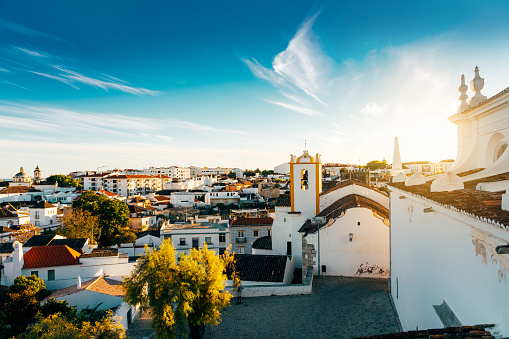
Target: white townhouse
60	266
187	236
44	215
172	172
125	184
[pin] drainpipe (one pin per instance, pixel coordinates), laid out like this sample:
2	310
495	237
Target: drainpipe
318	251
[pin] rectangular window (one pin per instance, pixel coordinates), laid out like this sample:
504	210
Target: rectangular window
268	233
36	214
240	234
242	250
255	233
222	237
208	240
195	243
36	273
37	223
51	274
182	242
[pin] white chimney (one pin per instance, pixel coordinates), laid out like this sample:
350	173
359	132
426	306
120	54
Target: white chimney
79	282
17	258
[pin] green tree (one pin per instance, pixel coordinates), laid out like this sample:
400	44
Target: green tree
64	181
80	224
188	292
113	214
21	302
375	164
232	175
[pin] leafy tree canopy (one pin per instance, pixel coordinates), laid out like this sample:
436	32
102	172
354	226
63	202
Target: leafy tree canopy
232	175
64	181
267	172
190	291
113	214
60	326
80	224
375	164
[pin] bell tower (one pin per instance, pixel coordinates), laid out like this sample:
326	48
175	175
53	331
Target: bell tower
37	174
306	184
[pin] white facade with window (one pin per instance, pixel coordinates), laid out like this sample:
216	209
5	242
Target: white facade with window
184	237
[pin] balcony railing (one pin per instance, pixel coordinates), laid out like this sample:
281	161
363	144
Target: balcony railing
241	239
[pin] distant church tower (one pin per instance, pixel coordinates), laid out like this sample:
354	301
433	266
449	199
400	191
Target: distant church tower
306	184
37	174
397	166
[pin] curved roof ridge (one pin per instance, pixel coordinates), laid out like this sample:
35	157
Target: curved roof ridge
348	182
341	205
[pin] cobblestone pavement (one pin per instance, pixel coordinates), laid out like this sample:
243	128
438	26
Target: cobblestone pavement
339	307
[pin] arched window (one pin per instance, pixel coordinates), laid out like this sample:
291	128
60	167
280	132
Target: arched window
304	179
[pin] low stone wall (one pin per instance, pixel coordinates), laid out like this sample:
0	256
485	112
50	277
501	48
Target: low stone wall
277	289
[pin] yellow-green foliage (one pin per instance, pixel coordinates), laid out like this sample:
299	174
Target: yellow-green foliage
57	326
191	291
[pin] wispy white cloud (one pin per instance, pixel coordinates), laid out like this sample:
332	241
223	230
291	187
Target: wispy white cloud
78	77
32	53
303	67
67	121
298	109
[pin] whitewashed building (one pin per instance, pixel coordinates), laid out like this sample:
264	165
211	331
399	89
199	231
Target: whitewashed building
343	231
187	236
447	268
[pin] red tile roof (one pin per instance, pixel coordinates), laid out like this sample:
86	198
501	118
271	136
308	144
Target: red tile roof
252	221
50	256
18	189
107	193
100	284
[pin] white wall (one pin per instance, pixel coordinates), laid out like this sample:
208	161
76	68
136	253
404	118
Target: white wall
367	255
446	255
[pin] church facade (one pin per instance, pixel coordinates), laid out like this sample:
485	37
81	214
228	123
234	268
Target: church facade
342	231
449	232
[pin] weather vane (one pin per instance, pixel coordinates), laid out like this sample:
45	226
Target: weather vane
305	144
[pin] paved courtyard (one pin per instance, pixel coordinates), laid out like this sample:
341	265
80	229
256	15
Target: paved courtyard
339	307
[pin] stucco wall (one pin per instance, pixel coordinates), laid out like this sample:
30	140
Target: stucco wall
367	255
445	255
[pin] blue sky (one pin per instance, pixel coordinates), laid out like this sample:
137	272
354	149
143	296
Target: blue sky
238	84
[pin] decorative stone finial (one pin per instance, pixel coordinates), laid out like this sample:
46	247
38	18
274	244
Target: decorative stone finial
463	96
447	182
476	85
292	158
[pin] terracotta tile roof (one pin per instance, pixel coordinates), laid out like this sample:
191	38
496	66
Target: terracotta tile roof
161	198
478	203
18	189
284	200
340	206
100	285
251	221
477	331
107	193
263	243
6	213
268	268
50	256
43	204
473	171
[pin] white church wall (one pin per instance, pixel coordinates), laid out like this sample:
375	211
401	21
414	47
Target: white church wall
367	255
445	255
327	199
